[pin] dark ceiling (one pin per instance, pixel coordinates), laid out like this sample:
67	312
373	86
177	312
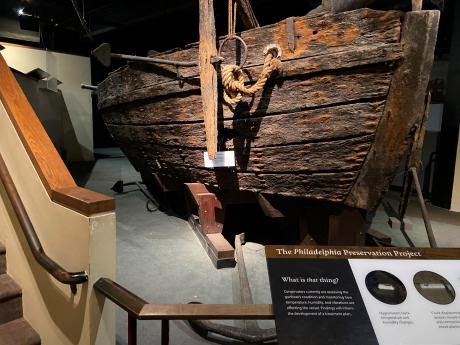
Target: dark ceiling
133	26
136	26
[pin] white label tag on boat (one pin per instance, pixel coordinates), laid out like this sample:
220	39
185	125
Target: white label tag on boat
223	159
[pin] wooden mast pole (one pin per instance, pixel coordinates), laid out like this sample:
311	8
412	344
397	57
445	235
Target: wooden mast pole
208	74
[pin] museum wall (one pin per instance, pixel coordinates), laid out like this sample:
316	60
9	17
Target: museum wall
76	117
456	189
75	241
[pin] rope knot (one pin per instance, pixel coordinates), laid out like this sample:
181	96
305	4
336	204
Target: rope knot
233	77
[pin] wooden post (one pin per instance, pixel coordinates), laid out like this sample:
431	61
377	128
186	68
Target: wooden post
417	5
208	74
348	227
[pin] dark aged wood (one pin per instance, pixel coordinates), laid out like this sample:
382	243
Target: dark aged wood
335	6
246	14
333	186
414	160
331	224
307	126
310	131
404	107
301	69
354	32
208	74
281	96
267	207
339	155
347	227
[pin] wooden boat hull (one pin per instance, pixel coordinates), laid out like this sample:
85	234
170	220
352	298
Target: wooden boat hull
309	133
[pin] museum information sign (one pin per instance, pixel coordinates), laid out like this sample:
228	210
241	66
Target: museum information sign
365	296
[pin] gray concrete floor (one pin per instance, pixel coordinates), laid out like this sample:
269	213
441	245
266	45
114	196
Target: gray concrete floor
160	259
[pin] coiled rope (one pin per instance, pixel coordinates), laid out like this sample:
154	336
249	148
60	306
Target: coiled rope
233	76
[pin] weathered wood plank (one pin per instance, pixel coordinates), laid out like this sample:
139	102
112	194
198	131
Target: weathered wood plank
311	65
337	155
330	186
280	96
404	107
301	127
323	35
326	34
173	92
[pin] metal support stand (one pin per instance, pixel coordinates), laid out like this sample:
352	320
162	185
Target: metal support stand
132	330
164	332
429	229
414	162
250	332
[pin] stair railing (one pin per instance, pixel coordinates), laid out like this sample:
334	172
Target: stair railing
138	309
59	273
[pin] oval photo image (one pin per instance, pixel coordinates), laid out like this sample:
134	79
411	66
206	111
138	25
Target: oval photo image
386	287
434	287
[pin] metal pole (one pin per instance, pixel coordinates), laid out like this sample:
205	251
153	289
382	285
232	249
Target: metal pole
153	60
132	330
164	332
429	230
88	87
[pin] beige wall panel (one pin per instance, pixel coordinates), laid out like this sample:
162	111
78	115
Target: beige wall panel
455	205
75	241
71	70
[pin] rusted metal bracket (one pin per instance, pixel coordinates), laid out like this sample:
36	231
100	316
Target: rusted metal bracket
250	332
291	34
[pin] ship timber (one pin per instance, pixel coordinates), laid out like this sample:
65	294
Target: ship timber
333	125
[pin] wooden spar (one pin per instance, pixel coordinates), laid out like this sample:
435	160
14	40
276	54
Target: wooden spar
246	14
208	74
417	5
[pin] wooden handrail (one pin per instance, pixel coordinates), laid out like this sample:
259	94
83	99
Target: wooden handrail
138	309
53	173
63	276
142	310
